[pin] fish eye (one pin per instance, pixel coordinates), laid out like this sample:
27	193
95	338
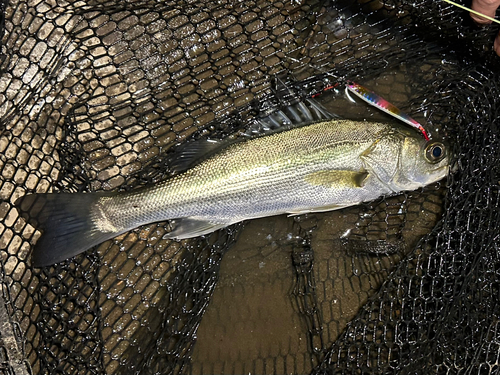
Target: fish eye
435	152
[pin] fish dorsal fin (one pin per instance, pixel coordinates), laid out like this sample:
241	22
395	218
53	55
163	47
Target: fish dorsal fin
191	153
294	115
293	111
188	227
300	110
337	178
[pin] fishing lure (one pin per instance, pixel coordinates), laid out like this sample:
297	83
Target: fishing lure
373	99
377	101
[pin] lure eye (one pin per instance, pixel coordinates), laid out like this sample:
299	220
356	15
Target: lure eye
435	152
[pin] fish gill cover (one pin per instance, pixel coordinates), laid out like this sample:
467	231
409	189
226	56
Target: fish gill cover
98	96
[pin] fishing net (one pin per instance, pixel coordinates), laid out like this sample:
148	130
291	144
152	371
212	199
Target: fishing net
99	95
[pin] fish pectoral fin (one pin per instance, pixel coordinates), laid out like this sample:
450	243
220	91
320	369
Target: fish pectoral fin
188	227
337	178
331	207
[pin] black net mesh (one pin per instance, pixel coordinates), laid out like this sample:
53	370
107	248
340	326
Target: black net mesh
99	95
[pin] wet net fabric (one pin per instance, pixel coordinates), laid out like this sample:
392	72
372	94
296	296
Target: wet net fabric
99	96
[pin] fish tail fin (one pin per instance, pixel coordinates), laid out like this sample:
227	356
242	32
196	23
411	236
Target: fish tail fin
67	224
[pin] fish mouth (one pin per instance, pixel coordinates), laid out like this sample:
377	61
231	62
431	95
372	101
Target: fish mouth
444	170
438	174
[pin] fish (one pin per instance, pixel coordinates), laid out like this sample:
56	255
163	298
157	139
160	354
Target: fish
322	165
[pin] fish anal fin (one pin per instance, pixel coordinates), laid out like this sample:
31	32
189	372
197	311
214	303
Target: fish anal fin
338	178
188	227
331	207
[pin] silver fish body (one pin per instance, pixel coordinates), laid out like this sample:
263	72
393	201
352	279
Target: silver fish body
322	166
319	167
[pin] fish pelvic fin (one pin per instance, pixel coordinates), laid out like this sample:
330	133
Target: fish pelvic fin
188	227
67	222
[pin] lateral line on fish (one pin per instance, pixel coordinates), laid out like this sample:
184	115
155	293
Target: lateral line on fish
472	11
373	99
